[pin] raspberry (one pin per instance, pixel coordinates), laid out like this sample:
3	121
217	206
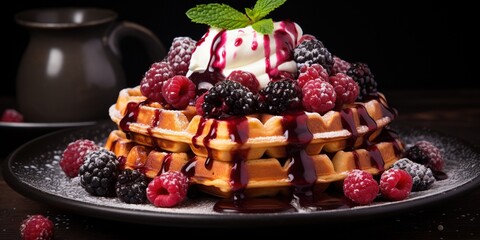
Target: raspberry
178	91
395	184
180	53
312	51
319	96
360	187
247	79
131	186
340	65
73	156
345	87
422	176
98	172
424	152
229	98
11	115
168	189
360	72
37	227
312	72
152	82
280	96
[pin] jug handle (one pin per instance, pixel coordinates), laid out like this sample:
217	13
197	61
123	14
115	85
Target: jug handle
155	48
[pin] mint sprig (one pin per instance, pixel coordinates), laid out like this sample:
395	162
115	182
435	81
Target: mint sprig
225	17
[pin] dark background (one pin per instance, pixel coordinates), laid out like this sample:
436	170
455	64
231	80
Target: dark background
407	45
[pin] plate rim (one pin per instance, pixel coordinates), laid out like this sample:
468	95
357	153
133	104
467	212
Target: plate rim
147	217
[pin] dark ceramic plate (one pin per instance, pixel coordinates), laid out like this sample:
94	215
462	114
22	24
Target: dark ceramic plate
22	132
33	171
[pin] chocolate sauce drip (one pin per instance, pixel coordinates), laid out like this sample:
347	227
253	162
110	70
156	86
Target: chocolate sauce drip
189	168
349	124
167	160
365	119
130	116
238	131
302	169
212	134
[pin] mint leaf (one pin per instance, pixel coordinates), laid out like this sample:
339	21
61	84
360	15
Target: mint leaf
263	7
251	14
218	15
225	17
264	26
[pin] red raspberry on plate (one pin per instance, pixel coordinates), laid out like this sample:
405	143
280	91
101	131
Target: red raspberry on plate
37	227
180	53
168	190
318	96
73	156
11	115
424	152
247	79
395	184
308	73
152	82
345	87
178	91
360	187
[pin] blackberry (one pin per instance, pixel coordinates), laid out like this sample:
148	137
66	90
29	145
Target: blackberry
180	53
422	176
360	72
424	152
312	51
131	186
98	172
280	96
227	98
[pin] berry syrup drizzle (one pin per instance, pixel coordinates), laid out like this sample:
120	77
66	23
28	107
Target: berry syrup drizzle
302	175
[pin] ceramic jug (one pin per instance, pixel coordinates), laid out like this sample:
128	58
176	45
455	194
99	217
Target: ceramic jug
71	70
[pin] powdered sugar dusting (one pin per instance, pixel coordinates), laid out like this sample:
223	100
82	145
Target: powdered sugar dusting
37	165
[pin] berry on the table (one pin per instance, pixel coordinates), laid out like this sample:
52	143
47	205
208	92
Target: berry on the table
318	96
11	115
152	83
74	154
308	73
98	172
345	87
37	227
131	186
360	187
426	153
247	79
395	184
340	65
229	98
180	53
360	72
178	91
168	190
422	176
312	51
280	96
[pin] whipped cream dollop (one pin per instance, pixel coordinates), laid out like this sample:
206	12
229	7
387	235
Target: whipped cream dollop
219	52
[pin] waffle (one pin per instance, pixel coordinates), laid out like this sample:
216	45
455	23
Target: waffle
259	155
180	130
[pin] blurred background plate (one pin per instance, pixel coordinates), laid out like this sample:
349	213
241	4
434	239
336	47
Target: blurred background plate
15	134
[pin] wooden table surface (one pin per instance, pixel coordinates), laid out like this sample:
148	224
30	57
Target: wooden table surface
451	112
